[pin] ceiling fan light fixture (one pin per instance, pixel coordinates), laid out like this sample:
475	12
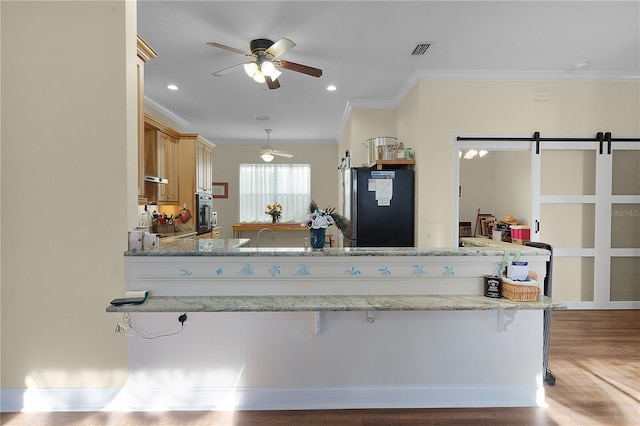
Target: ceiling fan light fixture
266	157
275	74
267	68
470	154
250	68
258	77
266	61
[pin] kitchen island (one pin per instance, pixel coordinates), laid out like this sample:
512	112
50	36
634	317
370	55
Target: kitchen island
338	328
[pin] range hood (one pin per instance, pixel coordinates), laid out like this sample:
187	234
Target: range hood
155	179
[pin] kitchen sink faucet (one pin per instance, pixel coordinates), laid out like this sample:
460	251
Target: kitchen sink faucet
273	238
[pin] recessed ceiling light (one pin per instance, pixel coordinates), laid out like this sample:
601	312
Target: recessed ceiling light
582	64
172	87
331	88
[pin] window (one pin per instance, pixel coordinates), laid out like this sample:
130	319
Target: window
262	184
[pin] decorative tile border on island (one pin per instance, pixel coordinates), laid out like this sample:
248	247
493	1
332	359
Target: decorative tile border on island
185	268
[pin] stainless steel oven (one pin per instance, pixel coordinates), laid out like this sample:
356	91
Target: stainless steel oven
204	213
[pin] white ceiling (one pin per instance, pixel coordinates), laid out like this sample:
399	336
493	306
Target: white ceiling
364	48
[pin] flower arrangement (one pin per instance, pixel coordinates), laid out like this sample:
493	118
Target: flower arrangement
318	218
275	211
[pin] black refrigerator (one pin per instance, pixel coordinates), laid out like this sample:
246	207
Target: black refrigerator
380	205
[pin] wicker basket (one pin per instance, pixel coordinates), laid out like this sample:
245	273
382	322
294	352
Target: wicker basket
160	228
519	293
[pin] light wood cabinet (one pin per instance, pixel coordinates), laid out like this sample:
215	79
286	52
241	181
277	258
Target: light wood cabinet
161	159
145	54
167	147
215	233
204	169
195	167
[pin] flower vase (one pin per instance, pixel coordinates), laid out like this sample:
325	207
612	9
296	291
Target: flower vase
317	238
274	220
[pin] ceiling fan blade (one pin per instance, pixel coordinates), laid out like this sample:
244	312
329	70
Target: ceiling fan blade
304	69
273	84
279	47
230	49
226	71
282	154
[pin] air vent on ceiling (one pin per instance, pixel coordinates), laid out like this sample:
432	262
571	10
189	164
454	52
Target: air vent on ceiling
420	49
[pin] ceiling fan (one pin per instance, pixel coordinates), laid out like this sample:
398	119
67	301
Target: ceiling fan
267	152
263	68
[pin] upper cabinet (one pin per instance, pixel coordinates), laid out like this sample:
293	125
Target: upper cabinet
168	193
195	168
204	169
145	54
161	160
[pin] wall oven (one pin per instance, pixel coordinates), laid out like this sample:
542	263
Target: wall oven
204	213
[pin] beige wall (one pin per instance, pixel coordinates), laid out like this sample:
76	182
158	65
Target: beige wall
433	114
324	180
66	189
364	124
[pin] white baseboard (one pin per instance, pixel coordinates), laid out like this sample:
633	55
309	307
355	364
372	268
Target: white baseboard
206	399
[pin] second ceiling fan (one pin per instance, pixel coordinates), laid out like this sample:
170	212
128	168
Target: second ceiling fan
264	67
267	152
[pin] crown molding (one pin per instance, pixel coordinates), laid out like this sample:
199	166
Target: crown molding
175	117
145	51
486	75
482	75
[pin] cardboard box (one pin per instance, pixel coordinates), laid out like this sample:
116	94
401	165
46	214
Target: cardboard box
520	232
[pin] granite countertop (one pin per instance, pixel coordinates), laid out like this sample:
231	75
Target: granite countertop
297	303
235	247
177	234
490	243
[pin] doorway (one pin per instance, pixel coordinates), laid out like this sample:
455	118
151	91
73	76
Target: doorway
583	201
497	183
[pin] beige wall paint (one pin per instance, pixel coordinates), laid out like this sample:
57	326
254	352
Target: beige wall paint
324	181
433	114
409	131
66	183
364	124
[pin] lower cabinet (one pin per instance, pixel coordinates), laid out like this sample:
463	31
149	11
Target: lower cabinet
215	233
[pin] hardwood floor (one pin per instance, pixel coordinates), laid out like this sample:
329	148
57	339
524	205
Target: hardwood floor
595	356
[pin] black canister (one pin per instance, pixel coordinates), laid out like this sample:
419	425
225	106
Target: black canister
492	286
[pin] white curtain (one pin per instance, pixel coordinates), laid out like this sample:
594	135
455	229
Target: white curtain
262	184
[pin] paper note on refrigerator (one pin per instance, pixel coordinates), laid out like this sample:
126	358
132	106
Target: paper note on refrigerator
384	191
